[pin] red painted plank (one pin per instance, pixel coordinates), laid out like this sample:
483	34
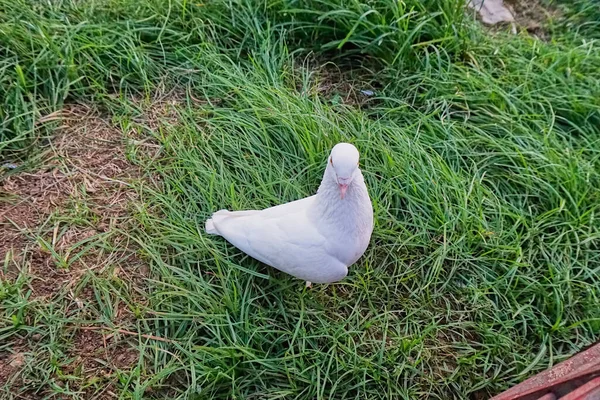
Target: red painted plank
565	376
583	392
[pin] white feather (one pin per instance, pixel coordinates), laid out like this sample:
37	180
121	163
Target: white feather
316	238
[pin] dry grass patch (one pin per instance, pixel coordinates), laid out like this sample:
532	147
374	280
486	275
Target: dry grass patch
62	231
86	176
534	16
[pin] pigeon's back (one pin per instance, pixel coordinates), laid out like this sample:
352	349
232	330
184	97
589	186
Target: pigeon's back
284	237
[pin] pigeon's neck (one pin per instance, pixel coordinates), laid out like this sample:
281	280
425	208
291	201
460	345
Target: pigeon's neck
346	212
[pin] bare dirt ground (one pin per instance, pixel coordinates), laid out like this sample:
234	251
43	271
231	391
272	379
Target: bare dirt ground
59	224
531	15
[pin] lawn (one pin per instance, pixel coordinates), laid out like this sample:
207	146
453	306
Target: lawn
125	124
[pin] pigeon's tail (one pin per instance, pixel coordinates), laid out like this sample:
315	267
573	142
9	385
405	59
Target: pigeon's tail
209	227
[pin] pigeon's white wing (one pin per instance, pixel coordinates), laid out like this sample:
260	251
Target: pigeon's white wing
280	211
284	238
293	207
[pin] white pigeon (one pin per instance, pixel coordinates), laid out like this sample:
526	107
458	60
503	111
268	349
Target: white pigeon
316	238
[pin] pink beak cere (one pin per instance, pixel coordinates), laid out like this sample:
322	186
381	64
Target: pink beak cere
343	187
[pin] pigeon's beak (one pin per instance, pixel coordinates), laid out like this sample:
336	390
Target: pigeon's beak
343	187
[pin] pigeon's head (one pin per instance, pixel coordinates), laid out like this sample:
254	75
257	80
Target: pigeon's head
344	161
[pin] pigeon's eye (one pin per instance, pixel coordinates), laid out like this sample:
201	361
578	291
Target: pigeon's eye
331	161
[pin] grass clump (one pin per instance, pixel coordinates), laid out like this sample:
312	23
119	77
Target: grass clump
464	278
77	51
480	153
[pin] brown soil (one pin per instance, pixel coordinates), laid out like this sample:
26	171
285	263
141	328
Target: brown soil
337	85
98	354
532	15
85	175
10	363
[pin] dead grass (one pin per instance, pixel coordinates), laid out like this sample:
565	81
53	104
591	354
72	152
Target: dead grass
85	175
160	109
10	363
99	354
533	16
337	86
53	223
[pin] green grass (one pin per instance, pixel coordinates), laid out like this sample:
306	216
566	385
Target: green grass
481	154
